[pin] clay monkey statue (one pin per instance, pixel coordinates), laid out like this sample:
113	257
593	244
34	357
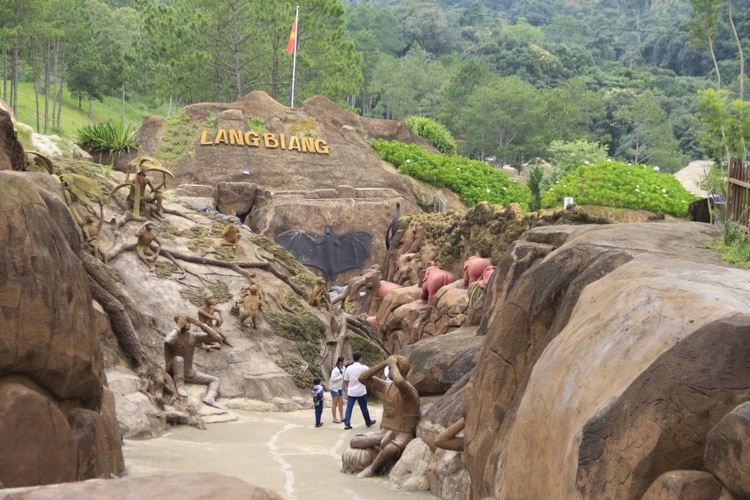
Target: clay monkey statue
251	306
143	247
211	316
231	234
319	295
91	232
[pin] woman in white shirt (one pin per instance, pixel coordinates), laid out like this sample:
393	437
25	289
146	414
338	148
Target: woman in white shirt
336	386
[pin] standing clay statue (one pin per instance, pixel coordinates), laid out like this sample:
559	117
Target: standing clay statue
319	294
449	439
400	413
143	247
251	305
154	196
211	316
231	234
179	347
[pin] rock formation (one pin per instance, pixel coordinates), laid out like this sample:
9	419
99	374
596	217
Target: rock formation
57	417
599	360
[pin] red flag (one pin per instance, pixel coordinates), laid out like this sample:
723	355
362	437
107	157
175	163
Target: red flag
292	43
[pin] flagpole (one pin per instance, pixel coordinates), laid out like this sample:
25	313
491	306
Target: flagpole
294	58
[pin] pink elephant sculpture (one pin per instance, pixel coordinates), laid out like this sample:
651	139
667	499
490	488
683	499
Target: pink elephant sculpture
385	287
434	279
474	268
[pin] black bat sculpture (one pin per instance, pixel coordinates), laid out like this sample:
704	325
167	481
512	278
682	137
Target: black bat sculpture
331	253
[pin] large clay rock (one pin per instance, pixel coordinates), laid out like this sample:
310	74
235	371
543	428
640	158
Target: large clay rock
185	486
341	208
348	159
684	485
11	151
51	367
727	453
437	363
633	316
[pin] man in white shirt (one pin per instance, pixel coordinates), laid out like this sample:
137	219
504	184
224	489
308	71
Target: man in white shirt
356	392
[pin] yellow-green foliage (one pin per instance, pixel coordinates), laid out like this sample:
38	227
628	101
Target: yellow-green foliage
281	254
197	296
303	328
298	369
180	136
305	128
164	268
371	352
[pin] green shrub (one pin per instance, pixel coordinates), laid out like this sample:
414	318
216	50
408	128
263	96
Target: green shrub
109	136
472	180
734	245
620	185
434	132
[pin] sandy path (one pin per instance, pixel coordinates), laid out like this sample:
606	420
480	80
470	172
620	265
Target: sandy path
283	452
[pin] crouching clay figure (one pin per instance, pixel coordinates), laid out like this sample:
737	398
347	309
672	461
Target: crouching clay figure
400	417
179	347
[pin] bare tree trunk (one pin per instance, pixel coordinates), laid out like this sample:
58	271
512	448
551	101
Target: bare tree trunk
741	55
47	83
14	78
121	313
36	103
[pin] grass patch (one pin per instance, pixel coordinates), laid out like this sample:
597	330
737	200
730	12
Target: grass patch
734	245
72	117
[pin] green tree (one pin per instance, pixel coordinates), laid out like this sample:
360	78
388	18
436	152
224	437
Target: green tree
567	156
504	118
647	134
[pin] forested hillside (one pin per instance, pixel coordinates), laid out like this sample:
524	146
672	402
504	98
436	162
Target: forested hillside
654	82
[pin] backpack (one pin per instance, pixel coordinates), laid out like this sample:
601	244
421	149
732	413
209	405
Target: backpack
318	397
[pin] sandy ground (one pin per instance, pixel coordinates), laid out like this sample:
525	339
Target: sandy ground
283	452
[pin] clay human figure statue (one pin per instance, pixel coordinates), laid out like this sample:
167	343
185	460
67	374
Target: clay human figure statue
211	316
91	232
251	306
390	232
179	347
400	412
231	234
141	183
319	294
449	439
143	247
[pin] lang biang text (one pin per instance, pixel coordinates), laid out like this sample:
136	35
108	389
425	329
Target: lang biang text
232	137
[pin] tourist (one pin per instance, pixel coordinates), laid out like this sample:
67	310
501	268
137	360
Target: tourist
356	392
317	393
336	386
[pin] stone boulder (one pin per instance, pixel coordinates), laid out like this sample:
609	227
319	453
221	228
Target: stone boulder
51	371
184	486
684	485
726	448
11	151
437	363
591	342
271	157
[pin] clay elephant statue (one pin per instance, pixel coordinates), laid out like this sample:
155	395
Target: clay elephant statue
385	287
474	268
486	275
434	279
